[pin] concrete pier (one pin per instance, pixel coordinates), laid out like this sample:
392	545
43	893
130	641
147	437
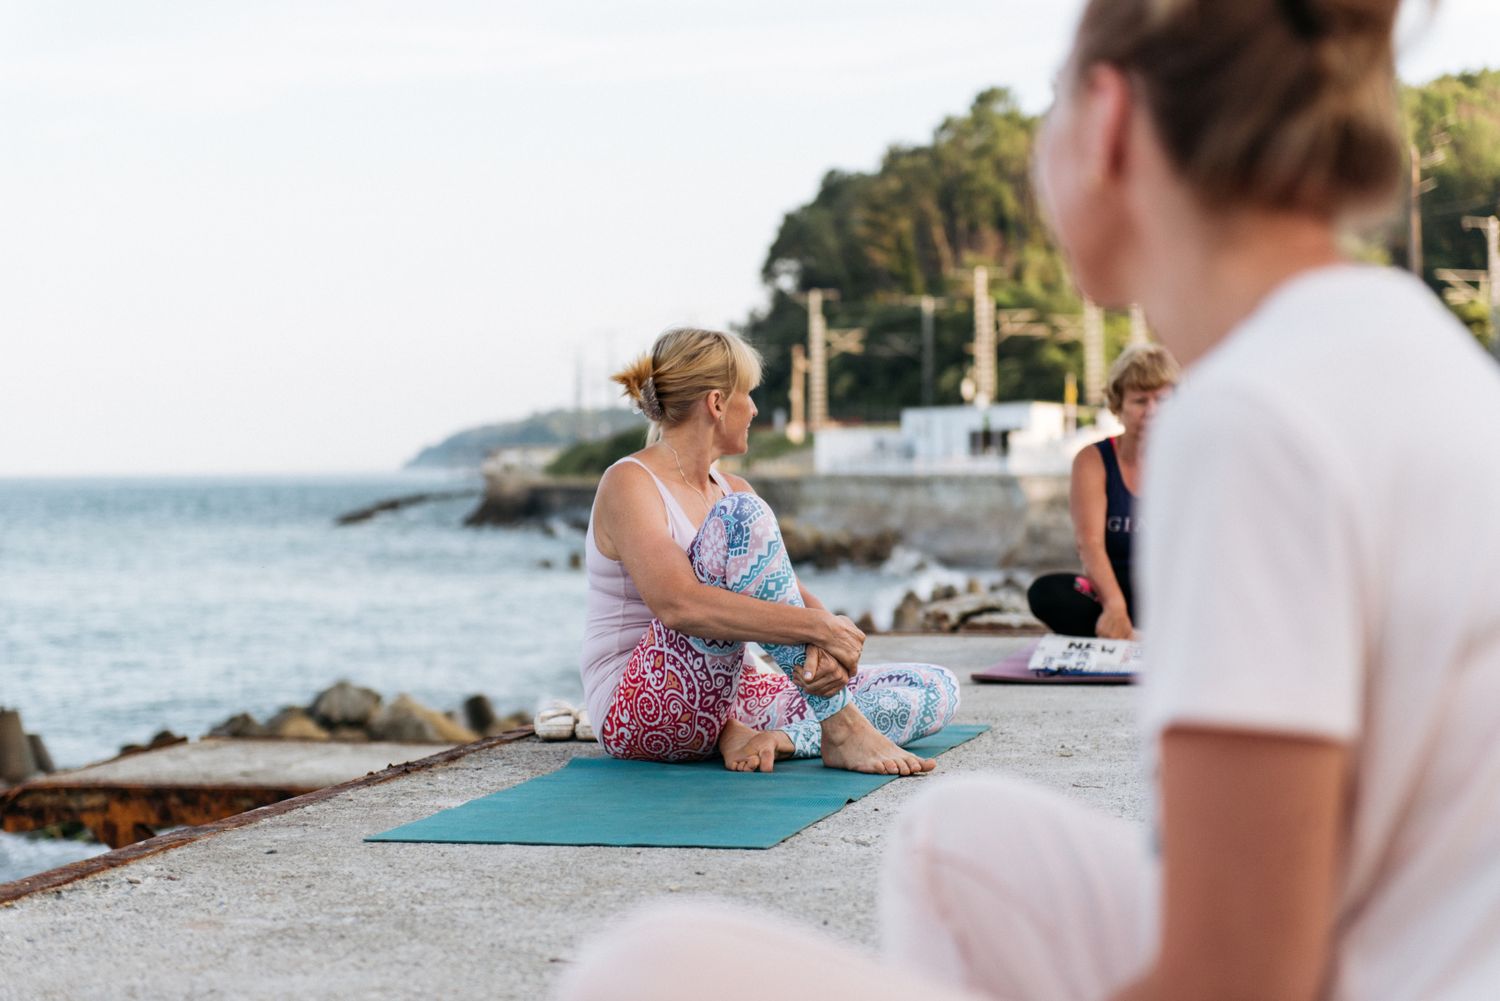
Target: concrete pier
129	798
296	904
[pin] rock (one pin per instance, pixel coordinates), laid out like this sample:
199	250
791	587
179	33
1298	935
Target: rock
866	624
479	714
408	721
908	615
239	725
39	755
544	564
347	734
947	615
828	549
1012	598
975	586
345	704
575	560
165	738
402	726
944	592
16	762
1002	622
293	723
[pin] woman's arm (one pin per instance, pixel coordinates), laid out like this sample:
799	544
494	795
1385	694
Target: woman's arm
628	519
1088	502
1250	828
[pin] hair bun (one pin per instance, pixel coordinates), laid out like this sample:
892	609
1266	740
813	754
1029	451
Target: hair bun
650	405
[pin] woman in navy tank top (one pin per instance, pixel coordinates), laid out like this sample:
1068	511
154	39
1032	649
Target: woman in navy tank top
1101	600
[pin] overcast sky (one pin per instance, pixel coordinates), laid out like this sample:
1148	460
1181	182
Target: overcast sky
313	237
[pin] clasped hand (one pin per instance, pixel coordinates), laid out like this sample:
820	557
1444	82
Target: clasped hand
821	674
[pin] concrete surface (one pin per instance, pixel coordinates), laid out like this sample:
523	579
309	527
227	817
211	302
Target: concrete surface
302	764
298	906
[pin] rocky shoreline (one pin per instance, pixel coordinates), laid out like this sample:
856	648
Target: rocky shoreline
351	713
999	608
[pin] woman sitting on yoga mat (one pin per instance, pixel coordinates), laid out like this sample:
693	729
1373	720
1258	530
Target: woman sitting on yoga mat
1102	496
1323	695
686	564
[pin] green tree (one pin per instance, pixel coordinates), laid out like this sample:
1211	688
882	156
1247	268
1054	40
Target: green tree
931	212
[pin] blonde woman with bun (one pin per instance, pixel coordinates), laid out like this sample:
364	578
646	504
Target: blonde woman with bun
685	565
1323	696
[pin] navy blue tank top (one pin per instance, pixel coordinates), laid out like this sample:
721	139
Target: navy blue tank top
1119	518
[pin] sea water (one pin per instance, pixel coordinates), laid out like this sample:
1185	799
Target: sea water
133	606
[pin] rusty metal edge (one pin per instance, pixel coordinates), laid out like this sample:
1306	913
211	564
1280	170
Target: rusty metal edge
63	875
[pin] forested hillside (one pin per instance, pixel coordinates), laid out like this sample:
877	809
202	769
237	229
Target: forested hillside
930	213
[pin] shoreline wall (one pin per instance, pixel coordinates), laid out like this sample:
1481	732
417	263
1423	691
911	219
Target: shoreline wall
964	521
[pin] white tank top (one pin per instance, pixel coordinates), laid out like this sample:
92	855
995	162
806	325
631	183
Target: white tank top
616	616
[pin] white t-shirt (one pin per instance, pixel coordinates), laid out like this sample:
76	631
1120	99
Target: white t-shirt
1323	503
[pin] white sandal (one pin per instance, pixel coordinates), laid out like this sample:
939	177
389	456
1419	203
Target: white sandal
555	720
584	730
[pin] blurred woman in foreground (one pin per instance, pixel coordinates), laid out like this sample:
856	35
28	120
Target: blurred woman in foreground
1324	647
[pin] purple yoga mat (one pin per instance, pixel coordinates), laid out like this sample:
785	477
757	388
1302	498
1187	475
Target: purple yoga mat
1013	670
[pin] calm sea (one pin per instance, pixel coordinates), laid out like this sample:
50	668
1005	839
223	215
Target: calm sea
132	606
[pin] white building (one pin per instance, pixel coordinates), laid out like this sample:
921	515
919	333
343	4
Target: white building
519	458
1023	438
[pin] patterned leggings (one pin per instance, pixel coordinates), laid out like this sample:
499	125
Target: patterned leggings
678	691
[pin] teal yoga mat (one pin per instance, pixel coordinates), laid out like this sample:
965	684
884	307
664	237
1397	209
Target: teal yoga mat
602	801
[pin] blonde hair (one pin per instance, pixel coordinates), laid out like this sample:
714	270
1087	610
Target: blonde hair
1146	367
1278	104
683	366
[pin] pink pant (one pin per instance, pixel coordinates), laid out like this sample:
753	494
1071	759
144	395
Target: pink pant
992	888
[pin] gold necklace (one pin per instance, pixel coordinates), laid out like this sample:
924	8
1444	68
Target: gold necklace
701	495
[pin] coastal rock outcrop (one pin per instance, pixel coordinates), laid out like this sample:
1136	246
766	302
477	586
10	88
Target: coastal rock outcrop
406	719
345	704
828	549
347	712
22	754
239	725
293	723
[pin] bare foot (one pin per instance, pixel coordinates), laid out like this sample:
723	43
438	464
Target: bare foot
747	750
850	741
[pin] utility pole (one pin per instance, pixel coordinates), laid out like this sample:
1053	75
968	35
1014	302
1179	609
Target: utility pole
817	361
1490	225
928	305
823	344
1070	402
984	339
1139	332
796	429
580	427
1419	187
929	349
1093	354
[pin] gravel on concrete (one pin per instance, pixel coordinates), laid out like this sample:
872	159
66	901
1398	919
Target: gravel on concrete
297	905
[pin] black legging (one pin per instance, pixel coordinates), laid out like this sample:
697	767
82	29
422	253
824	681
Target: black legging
1064	609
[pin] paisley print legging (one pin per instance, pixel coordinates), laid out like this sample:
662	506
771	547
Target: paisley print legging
677	691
